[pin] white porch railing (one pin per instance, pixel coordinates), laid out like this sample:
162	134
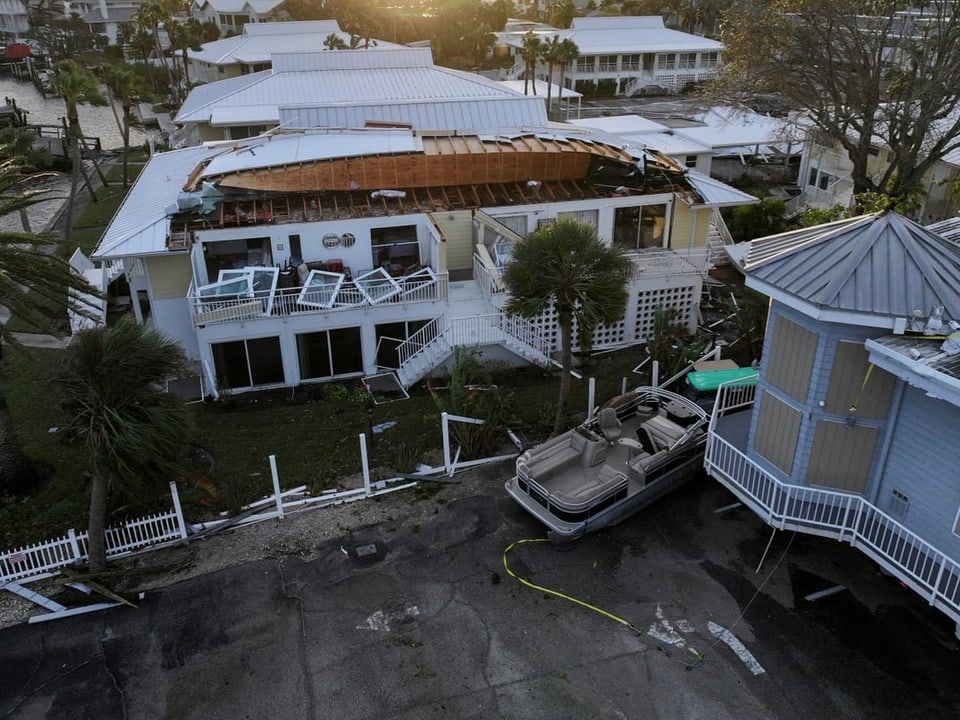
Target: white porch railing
663	262
44	559
843	516
285	302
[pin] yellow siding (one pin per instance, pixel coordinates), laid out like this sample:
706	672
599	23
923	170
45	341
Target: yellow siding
684	218
169	276
458	233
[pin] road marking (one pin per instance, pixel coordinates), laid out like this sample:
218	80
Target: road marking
738	647
663	631
380	621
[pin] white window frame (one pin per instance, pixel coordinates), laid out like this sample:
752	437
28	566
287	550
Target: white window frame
320	289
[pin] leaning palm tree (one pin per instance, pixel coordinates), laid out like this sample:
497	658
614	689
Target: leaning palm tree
566	267
77	86
112	383
33	281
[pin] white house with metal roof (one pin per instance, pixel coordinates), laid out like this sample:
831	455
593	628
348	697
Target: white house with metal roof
231	15
624	55
695	136
350	88
851	430
251	51
325	254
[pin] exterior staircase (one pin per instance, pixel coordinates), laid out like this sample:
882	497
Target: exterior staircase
434	343
717	237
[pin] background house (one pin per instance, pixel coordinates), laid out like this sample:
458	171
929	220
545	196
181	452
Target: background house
350	88
231	15
852	431
252	49
623	55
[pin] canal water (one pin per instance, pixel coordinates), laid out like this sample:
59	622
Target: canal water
94	121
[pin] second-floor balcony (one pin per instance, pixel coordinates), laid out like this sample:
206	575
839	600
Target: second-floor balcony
257	294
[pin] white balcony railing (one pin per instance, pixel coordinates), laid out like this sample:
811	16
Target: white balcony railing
843	516
663	262
422	286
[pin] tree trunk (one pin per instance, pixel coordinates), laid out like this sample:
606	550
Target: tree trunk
17	473
126	144
72	198
549	86
96	540
186	71
565	319
25	221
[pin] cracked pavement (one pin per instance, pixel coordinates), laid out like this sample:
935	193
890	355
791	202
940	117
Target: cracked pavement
429	626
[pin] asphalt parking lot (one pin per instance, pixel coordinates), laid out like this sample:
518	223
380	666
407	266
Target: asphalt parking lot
424	622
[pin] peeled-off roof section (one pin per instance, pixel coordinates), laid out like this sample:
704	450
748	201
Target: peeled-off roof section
882	264
401	160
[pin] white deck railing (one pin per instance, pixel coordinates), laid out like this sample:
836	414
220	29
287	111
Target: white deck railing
46	558
843	516
285	302
663	262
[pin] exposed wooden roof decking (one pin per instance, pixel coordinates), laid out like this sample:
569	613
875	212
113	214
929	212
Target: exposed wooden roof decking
446	161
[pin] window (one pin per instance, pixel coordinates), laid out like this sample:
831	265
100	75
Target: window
517	223
391	335
239	132
898	504
296	249
330	353
631	62
823	182
585	64
690	161
666	61
639	227
709	59
687	61
812	180
587	217
248	363
395	249
608	63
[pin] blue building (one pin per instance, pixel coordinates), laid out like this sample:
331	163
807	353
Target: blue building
851	431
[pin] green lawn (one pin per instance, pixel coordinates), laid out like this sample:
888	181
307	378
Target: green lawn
313	432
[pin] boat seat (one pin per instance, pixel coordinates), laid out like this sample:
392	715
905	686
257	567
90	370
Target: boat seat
610	424
546	466
589	493
661	433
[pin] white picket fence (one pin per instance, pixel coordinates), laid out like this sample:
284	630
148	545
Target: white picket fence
44	559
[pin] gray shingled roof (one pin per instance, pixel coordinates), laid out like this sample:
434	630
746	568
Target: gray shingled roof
882	264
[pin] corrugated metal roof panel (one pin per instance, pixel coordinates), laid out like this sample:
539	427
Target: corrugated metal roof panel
949	229
883	264
375	58
140	224
196	107
716	193
473	114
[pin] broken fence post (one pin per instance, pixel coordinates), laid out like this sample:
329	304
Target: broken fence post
365	462
591	396
276	486
178	509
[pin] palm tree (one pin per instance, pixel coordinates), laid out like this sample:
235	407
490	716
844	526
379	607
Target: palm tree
112	385
565	266
32	281
567	52
185	35
530	52
127	87
77	86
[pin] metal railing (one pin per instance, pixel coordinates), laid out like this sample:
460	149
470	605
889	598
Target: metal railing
422	286
828	513
663	262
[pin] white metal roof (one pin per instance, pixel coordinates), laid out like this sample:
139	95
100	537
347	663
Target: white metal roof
260	41
621	124
373	58
235	6
717	193
250	115
642	132
613	35
541	89
337	85
732	128
283	149
139	226
462	114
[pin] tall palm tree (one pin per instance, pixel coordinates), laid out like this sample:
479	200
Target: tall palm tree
567	52
77	86
32	281
530	52
565	266
112	385
127	87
